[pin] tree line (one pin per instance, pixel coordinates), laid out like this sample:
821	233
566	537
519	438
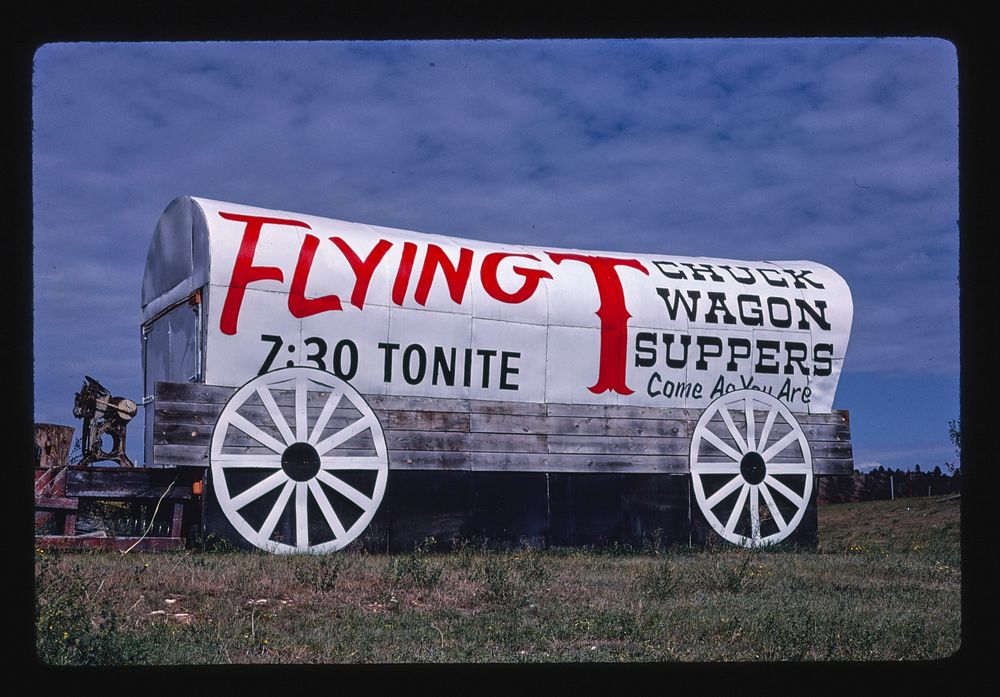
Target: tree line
887	483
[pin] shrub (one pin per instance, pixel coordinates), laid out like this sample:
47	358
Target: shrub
510	576
218	545
733	570
659	580
319	573
415	567
653	542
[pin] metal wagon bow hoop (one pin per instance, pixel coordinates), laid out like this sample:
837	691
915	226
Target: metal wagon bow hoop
302	458
745	468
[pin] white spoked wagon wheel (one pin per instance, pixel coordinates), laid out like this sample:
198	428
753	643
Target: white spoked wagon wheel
299	461
748	450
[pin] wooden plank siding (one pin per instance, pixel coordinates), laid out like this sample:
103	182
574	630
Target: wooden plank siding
425	433
116	483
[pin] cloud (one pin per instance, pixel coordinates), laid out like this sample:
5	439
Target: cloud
839	151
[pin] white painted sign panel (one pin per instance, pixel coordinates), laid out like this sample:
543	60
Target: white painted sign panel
407	313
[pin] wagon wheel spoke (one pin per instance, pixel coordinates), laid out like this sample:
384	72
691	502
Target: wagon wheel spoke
721	445
350	463
267	529
342	436
345	489
728	467
301	412
275	413
725	490
242	461
784	490
788	467
751	426
258	435
755	514
773	507
306	467
765	431
327	510
330	406
737	509
259	489
301	515
779	446
733	431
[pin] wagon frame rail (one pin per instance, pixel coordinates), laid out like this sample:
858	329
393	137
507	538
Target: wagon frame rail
430	433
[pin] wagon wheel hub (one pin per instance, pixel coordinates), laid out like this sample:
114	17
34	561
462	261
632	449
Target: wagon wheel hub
752	468
300	461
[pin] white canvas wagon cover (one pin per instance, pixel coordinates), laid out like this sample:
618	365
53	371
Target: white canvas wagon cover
404	313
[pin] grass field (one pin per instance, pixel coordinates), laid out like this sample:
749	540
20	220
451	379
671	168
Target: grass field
884	584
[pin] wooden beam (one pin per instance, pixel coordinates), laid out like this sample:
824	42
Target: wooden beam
833	467
56	503
455	434
177	520
115	483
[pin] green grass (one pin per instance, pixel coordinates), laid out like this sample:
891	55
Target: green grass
884	585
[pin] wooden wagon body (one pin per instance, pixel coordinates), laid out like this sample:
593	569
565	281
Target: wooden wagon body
344	383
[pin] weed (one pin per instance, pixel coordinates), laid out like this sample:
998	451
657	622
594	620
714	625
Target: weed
615	549
69	631
496	574
465	550
415	567
732	571
383	594
218	545
319	573
528	562
614	624
659	580
510	576
652	543
138	570
255	639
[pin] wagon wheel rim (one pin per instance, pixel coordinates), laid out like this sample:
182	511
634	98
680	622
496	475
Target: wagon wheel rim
303	459
762	486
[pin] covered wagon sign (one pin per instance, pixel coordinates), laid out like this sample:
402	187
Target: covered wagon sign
310	316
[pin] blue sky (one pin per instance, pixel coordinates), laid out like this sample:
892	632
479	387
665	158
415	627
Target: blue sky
839	151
